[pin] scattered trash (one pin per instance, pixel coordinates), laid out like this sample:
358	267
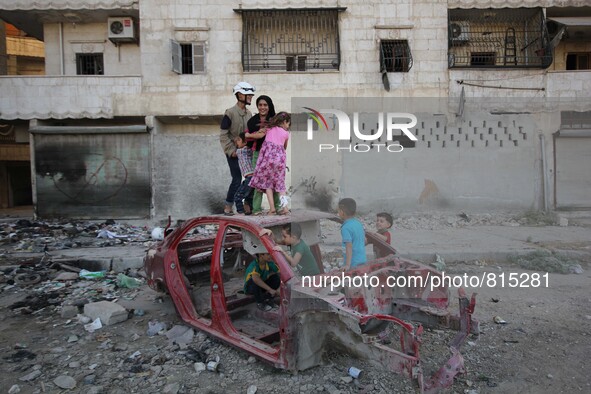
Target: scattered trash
109	234
155	327
252	360
127	282
95	325
510	341
347	379
199	367
495	299
91	275
498	320
213	363
354	372
439	263
27	279
135	355
139	312
158	234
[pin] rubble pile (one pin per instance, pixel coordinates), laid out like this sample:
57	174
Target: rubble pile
42	236
439	221
76	335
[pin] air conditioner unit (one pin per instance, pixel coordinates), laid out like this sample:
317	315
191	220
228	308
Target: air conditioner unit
121	29
459	33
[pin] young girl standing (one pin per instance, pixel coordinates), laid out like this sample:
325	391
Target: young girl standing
269	174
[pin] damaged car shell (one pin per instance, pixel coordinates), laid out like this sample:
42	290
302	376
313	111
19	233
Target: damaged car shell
309	318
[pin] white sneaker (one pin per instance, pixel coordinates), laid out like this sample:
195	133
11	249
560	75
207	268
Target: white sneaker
284	201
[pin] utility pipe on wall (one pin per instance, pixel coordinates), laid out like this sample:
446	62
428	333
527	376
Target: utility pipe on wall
544	171
62	62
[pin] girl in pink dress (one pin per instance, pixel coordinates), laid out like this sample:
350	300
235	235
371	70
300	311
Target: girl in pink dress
269	173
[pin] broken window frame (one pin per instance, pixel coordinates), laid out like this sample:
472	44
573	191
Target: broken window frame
188	58
518	37
291	40
395	56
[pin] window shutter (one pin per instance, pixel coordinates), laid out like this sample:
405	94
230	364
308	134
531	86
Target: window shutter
175	49
199	58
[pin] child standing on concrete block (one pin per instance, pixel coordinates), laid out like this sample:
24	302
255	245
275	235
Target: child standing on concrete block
269	174
244	192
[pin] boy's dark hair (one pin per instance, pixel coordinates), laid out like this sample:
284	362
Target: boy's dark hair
293	229
242	136
349	206
386	216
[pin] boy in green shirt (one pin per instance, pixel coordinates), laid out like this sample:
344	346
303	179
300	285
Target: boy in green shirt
262	280
301	256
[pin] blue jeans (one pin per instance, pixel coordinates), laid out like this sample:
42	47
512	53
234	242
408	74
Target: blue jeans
236	179
244	192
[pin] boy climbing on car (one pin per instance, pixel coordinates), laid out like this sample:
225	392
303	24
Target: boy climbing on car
301	257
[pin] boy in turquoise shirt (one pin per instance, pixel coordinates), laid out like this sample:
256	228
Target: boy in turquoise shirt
352	234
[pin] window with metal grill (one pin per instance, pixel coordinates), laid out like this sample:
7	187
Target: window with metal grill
89	64
498	38
188	58
395	56
290	40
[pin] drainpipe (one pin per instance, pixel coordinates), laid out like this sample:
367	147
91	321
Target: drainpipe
62	63
544	171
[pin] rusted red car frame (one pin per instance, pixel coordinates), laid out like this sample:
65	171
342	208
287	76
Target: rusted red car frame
382	324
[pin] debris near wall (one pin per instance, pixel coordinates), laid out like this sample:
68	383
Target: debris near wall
45	236
439	220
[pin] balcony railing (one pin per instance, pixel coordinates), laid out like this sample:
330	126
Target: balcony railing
42	97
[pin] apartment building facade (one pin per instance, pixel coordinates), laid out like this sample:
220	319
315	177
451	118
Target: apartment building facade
125	121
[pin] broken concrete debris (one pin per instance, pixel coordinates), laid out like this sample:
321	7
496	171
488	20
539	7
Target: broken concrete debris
108	312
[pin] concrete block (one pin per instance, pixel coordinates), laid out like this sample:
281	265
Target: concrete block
109	312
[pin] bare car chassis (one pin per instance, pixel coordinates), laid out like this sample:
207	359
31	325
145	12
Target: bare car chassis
193	265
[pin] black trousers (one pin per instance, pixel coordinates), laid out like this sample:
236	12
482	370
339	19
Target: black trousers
260	294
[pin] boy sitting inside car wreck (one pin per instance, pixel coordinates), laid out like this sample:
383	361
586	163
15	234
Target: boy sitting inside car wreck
262	280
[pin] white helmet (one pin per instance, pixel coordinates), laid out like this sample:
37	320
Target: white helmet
244	88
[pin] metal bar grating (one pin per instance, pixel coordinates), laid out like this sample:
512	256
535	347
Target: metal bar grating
493	38
290	40
395	56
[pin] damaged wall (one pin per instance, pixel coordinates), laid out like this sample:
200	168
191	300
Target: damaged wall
191	175
92	175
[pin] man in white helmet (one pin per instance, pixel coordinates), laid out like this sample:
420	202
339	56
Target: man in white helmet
234	123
